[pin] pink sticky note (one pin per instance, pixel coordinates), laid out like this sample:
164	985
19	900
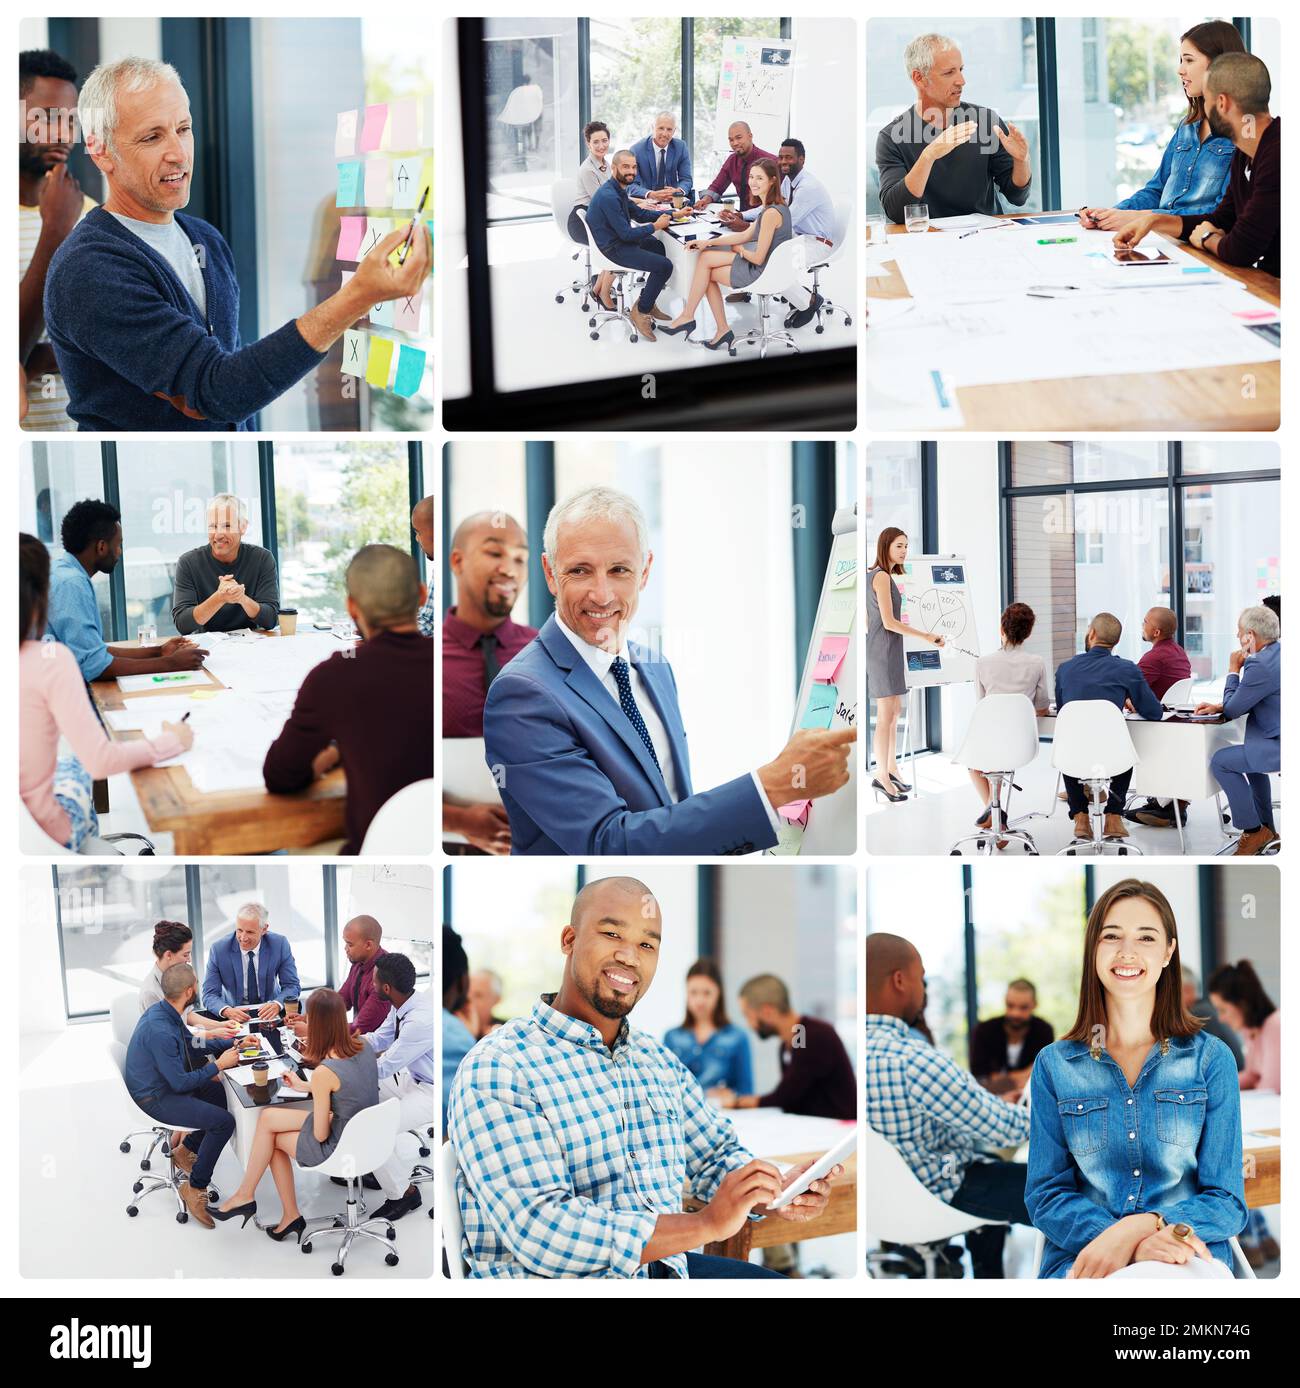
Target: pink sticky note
376	183
829	658
404	125
351	230
373	130
406	312
796	812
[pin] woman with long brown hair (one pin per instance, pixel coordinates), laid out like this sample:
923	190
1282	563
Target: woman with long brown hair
344	1080
886	670
711	1046
1135	1121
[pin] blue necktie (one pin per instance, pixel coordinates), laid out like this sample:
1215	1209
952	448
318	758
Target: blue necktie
623	678
250	978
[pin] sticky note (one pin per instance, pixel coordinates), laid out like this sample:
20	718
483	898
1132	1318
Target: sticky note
355	347
377	183
796	812
404	125
406	181
373	129
789	840
830	657
821	706
376	229
844	574
839	610
382	314
348	193
345	134
351	230
410	371
406	312
381	357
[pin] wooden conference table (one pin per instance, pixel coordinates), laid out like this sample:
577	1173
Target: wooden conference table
1169	401
242	821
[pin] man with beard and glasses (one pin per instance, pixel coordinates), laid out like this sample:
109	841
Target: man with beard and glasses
1002	1049
488	558
50	204
576	1133
935	1113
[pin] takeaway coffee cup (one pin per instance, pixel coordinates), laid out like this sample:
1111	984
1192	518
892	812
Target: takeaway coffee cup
288	621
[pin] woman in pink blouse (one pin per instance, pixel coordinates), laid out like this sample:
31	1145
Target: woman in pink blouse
1242	1004
53	703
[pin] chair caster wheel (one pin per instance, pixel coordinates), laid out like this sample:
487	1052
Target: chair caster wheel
424	1151
1121	853
848	322
731	351
559	298
390	1258
595	337
306	1248
144	1164
337	1269
137	1188
390	1232
213	1195
591	322
586	306
1069	852
954	853
432	1214
820	328
631	337
132	1210
183	1217
123	1146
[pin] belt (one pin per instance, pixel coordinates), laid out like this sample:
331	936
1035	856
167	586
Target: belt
825	240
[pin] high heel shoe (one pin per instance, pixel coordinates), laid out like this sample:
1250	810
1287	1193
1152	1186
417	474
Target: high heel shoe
295	1228
901	784
890	795
248	1211
687	328
727	340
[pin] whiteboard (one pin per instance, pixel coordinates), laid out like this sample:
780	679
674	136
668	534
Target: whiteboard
754	81
829	825
937	597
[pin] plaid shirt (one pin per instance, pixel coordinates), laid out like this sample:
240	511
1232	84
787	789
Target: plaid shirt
426	619
568	1152
935	1113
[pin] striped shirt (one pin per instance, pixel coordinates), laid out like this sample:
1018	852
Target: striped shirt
934	1112
568	1152
47	396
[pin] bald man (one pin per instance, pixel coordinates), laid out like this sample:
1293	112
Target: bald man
422	526
735	172
361	943
489	562
576	1133
938	1116
1163	666
369	707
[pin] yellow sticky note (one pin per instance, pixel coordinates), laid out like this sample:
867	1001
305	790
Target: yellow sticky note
381	358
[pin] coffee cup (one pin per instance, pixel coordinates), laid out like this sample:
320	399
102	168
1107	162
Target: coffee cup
288	621
261	1072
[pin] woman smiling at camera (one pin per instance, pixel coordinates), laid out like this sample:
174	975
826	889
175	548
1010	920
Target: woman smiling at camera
1135	1122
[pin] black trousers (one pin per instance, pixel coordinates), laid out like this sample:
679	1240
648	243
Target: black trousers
1077	797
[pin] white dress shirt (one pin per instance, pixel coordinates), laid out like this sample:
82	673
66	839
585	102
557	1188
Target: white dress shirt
409	1047
811	211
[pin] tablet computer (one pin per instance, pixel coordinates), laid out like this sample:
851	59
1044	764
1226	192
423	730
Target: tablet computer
819	1170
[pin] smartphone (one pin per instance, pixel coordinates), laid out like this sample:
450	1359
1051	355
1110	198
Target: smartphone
1137	256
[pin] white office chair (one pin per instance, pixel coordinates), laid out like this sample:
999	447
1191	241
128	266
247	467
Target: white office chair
1003	732
784	266
522	111
621	312
175	1178
34	840
1241	1269
124	1013
366	1144
453	1230
821	257
406	823
1179	693
900	1210
564	193
1093	745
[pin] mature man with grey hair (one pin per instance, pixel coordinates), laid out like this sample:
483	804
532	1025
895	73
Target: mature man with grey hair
951	155
583	731
250	971
227	584
142	301
1253	690
663	163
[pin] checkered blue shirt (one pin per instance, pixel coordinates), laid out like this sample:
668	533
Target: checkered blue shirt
426	619
568	1152
935	1113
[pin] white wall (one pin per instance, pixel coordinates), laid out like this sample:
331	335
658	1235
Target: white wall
1250	924
33	33
40	999
129	38
824	101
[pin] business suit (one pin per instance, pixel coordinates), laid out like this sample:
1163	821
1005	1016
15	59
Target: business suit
676	163
1101	674
224	981
577	778
1242	770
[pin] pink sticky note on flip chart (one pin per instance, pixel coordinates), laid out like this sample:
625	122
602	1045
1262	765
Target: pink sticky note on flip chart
373	130
829	658
796	812
351	230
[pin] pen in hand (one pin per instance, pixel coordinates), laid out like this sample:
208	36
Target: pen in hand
410	235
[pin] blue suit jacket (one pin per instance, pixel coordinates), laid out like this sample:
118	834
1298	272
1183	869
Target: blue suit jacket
1101	674
1257	693
677	167
223	981
576	778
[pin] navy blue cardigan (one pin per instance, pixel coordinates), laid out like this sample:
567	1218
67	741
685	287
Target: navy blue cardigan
133	348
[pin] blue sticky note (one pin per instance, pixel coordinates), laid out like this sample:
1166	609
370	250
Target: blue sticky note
349	189
410	371
821	706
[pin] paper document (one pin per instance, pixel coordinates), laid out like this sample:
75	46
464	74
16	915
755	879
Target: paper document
167	679
243	1074
271	664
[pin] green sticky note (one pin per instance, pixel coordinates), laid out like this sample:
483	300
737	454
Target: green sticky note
821	703
381	356
410	371
789	840
349	189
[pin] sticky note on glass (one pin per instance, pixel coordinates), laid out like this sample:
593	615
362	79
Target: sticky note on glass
404	125
355	348
406	181
372	132
345	134
406	312
796	812
839	610
376	228
821	706
789	840
410	371
382	314
351	232
377	183
348	193
829	658
381	358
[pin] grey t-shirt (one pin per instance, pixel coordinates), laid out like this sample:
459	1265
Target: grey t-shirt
966	180
197	577
176	249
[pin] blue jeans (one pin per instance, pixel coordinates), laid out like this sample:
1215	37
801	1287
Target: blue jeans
651	257
1250	793
207	1114
706	1266
991	1190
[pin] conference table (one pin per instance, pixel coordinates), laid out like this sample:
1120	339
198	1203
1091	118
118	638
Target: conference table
1261	1147
1230	397
245	1106
246	820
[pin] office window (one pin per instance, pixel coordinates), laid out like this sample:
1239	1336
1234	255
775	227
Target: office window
106	920
706	155
999	55
1048	463
1194	637
1044	567
401	899
330	499
1089	548
1091	62
294	897
1228	455
636	67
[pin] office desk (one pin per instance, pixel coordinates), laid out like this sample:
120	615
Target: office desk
1261	1117
1166	401
241	821
246	1110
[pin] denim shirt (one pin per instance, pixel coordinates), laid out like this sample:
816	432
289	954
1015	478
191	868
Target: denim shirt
724	1059
1192	176
1100	1150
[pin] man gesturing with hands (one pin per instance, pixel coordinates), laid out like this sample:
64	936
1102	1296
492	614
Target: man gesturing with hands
576	1134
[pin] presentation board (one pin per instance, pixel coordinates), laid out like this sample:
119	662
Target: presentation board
937	598
828	698
754	82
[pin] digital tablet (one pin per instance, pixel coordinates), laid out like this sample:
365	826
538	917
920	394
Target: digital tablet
819	1170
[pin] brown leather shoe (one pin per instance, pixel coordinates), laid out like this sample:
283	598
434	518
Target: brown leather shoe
1113	827
1253	842
184	1158
1082	826
660	316
641	322
196	1202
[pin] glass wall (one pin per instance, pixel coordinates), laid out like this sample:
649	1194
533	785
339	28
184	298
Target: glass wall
402	900
636	69
706	158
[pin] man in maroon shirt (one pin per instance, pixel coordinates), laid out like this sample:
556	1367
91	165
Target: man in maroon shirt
1162	667
735	171
489	559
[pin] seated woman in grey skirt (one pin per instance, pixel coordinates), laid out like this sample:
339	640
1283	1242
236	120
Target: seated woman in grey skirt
592	172
737	259
344	1081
